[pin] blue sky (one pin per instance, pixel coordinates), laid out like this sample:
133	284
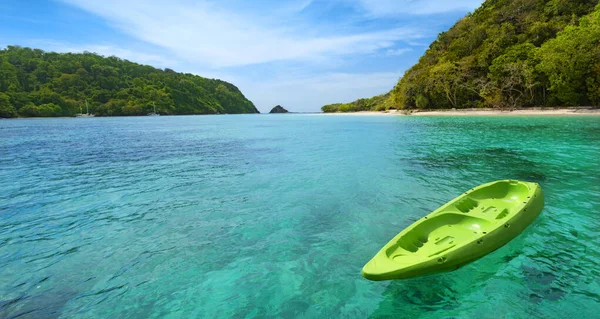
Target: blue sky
301	54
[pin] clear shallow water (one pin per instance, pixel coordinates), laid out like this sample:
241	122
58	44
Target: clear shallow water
274	216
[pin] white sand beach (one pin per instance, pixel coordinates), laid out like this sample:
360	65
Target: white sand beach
477	112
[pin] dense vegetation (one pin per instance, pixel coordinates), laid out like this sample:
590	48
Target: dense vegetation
508	53
376	103
38	83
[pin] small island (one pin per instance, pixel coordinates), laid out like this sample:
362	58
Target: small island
278	109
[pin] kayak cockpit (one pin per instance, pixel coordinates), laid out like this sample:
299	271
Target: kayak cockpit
438	234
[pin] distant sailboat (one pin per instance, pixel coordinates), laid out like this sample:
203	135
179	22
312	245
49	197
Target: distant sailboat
87	111
153	113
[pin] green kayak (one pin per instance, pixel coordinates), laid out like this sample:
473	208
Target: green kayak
463	230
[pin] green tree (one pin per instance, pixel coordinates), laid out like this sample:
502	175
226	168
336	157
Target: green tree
509	53
7	110
49	110
29	110
570	62
514	76
112	86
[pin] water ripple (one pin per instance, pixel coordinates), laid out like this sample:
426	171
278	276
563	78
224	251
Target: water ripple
259	216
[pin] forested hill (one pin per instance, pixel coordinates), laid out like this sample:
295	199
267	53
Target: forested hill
508	53
38	83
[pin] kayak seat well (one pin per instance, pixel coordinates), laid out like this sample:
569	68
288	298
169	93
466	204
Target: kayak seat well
438	234
498	200
502	214
467	204
504	190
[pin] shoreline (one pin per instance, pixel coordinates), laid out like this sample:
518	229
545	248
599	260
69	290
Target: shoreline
573	111
578	111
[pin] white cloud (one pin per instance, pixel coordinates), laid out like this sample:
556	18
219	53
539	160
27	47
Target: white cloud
417	44
394	7
205	34
392	52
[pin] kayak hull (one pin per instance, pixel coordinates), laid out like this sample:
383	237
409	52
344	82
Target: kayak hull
465	229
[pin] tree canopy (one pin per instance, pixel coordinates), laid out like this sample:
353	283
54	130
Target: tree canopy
376	103
38	83
508	53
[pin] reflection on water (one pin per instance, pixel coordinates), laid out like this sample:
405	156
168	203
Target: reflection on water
258	216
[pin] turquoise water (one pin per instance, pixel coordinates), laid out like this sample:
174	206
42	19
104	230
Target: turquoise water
274	216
